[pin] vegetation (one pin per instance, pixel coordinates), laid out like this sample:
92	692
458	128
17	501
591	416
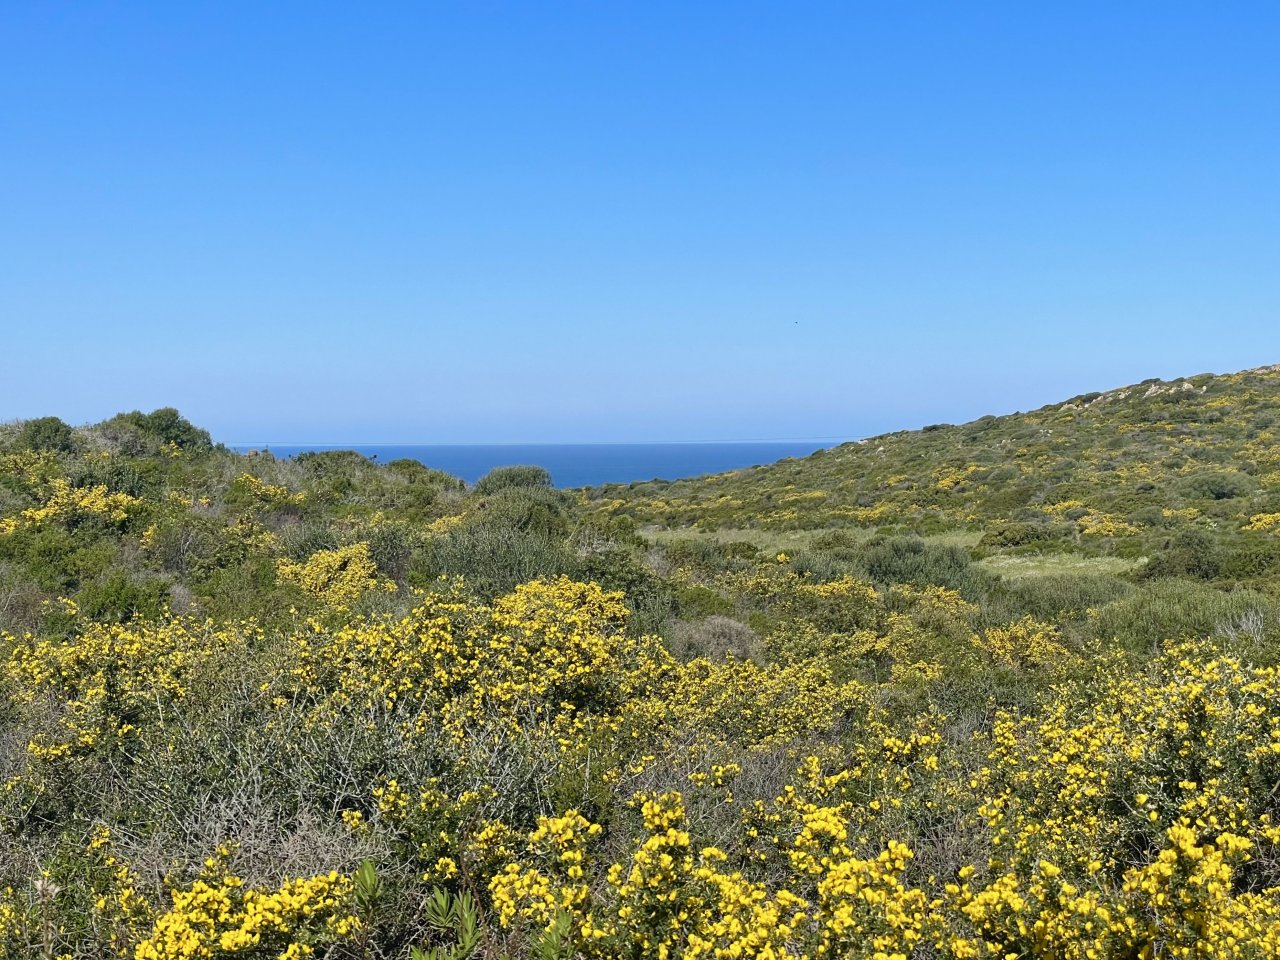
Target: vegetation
1002	690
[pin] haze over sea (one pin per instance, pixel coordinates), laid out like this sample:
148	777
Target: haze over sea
575	464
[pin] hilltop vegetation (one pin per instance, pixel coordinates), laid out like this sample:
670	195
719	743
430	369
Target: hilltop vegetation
1120	472
1005	689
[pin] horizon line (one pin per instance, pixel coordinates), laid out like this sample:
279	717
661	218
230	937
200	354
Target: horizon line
539	443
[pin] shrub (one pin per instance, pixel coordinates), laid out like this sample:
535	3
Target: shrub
1174	610
491	558
416	472
501	478
46	433
391	546
167	426
1256	559
741	550
694	552
1218	485
117	597
1017	534
715	638
524	509
916	561
336	577
1057	595
325	463
836	540
1192	553
695	600
195	546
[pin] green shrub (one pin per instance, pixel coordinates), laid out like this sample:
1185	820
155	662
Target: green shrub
46	433
825	565
1006	499
391	546
741	550
1217	485
1258	558
916	561
526	510
301	540
501	478
327	463
1192	553
696	553
492	558
194	546
714	637
694	601
1018	534
56	559
168	426
416	472
117	597
1174	610
1052	596
836	540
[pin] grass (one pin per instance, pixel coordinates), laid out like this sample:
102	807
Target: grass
767	540
788	540
1016	567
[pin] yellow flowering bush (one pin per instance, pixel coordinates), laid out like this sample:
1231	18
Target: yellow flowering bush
336	577
1264	522
219	916
249	490
70	505
114	681
1084	830
1027	643
927	697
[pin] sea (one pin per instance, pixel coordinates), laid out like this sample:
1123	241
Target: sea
575	464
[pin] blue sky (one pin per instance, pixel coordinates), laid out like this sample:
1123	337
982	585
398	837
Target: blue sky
557	221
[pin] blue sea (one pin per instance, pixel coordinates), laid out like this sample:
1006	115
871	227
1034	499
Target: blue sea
576	464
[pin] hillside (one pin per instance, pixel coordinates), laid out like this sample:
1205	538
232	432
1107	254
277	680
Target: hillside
1181	475
1006	689
1106	464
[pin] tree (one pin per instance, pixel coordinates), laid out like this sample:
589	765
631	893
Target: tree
47	433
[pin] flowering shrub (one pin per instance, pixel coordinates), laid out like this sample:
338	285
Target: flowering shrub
70	505
1098	845
336	577
251	491
1035	715
1086	830
1264	521
114	682
218	915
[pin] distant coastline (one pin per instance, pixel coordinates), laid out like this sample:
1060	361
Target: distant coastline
574	464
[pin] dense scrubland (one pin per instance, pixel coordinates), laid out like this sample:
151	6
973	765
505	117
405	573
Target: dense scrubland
1006	690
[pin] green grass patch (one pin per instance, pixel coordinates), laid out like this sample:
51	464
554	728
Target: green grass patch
1017	566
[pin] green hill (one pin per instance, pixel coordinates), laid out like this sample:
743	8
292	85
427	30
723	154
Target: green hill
1115	472
1002	689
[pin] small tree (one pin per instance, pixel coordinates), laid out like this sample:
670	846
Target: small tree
47	433
500	478
168	426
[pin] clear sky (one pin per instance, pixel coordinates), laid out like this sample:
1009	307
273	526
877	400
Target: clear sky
480	221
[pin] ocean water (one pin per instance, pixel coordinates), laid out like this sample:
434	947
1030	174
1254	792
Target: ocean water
576	464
